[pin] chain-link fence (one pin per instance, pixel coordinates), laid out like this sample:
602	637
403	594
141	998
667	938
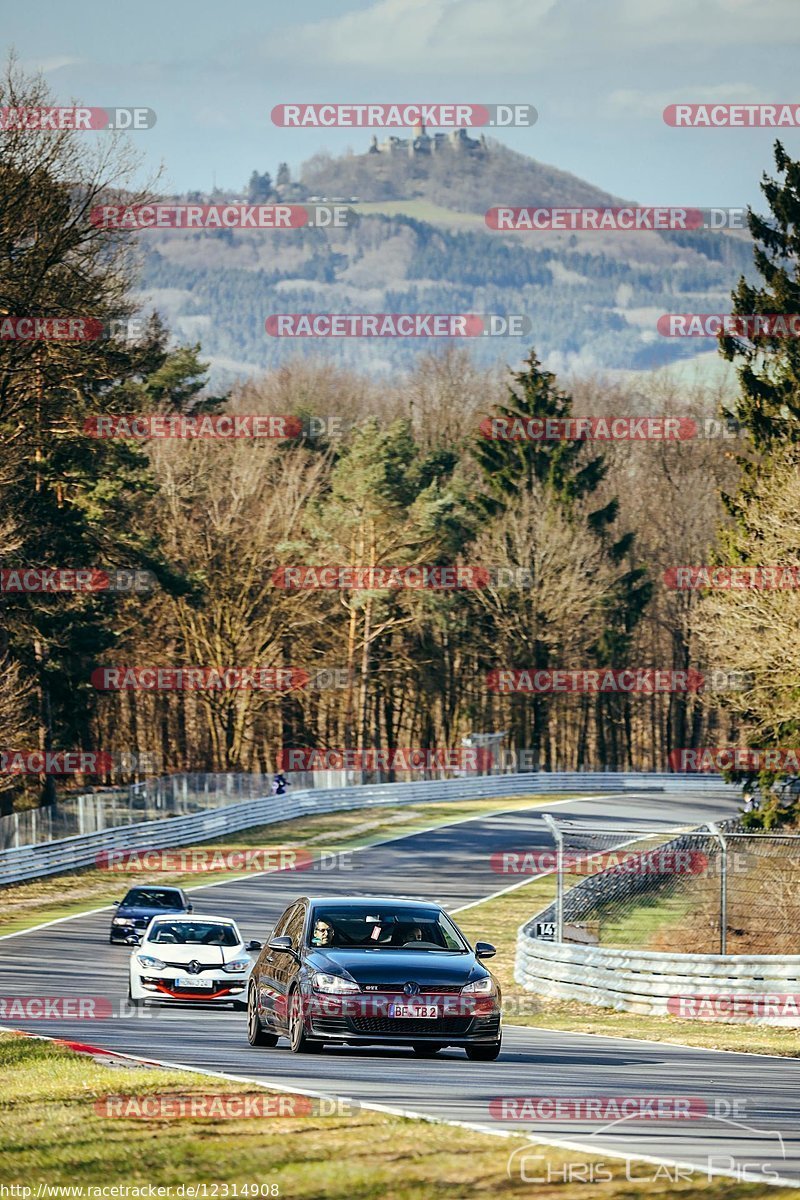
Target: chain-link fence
150	800
715	889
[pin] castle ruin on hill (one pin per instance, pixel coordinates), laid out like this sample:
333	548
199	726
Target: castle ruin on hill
421	143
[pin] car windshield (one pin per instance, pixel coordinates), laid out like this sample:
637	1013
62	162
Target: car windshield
380	928
193	933
153	898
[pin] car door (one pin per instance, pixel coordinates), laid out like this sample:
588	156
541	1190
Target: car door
286	966
271	975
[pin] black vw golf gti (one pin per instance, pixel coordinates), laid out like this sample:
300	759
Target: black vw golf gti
354	970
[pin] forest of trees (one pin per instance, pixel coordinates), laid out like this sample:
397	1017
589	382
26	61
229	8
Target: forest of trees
395	472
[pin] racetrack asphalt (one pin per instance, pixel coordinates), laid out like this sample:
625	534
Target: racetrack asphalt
752	1124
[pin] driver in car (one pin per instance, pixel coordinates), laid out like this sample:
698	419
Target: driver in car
323	934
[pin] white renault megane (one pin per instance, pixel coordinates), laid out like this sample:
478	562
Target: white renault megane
195	959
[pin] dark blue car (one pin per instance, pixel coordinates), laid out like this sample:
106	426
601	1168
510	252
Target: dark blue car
141	904
382	970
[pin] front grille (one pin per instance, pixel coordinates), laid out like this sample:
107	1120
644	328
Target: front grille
487	1025
396	989
332	1026
184	967
400	1027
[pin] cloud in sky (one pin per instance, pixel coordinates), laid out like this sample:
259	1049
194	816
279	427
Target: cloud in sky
648	104
48	65
396	36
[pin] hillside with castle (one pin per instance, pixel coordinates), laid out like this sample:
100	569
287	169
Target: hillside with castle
451	169
421	143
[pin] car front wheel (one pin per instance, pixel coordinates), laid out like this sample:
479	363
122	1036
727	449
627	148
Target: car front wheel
257	1036
426	1050
483	1053
298	1042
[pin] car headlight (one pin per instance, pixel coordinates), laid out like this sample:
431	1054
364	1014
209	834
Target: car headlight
122	921
334	984
147	960
480	987
238	964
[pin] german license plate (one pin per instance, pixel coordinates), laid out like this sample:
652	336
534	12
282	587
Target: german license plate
194	983
426	1012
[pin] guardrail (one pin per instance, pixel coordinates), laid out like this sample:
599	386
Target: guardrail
752	987
68	854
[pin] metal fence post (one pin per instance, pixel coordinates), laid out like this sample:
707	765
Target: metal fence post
723	887
558	837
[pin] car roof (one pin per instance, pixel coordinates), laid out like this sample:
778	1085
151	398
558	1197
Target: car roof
155	887
189	918
395	901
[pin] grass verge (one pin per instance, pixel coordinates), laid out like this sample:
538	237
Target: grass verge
56	896
52	1133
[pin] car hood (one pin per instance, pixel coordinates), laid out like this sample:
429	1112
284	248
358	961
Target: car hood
205	955
384	967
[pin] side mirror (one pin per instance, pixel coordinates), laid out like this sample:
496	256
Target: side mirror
253	945
484	950
282	944
116	903
190	908
133	939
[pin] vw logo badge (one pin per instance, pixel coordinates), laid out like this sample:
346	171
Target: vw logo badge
194	967
411	989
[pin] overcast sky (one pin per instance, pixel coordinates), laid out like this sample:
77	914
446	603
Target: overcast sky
599	72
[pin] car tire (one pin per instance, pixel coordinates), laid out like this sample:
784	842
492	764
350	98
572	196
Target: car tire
483	1053
426	1050
298	1042
256	1035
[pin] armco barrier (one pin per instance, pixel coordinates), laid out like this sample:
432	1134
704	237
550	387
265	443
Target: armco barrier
51	858
644	982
